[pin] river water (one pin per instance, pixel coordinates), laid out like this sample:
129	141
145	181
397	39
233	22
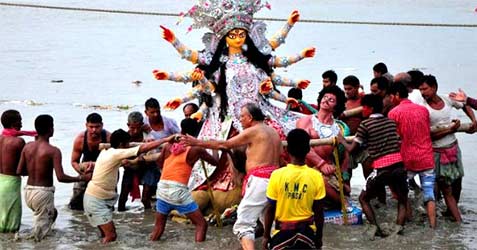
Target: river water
98	55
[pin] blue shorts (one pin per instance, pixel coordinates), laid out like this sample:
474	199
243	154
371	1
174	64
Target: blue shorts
427	178
165	207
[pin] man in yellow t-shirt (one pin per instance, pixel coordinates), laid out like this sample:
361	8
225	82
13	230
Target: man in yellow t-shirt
294	194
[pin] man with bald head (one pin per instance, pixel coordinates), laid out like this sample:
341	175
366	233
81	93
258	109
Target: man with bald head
263	154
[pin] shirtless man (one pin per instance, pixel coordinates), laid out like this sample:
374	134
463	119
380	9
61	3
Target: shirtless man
86	148
10	149
38	160
263	154
323	125
176	162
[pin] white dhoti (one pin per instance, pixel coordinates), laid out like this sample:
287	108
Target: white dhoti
41	201
251	207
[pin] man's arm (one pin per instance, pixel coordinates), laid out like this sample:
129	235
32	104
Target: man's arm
60	174
162	157
319	221
148	146
22	168
267	227
77	152
350	147
244	138
204	155
470	113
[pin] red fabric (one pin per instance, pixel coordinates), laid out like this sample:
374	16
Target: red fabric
135	192
447	155
14	132
262	172
413	126
387	160
177	148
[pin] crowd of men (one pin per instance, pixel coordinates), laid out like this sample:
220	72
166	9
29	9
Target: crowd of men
393	143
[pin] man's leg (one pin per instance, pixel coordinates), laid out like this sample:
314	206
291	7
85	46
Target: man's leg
123	197
200	225
146	196
249	210
457	189
109	232
367	209
449	199
427	182
159	226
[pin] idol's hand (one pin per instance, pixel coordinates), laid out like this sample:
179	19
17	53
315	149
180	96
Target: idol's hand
197	116
173	104
303	84
167	34
197	74
294	17
292	102
160	75
308	52
266	86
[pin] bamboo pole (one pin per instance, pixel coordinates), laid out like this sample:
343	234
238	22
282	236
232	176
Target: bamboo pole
340	182
464	127
211	195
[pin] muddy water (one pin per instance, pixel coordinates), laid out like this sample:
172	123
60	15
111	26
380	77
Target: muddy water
98	55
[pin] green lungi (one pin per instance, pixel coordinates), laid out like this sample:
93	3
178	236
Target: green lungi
10	203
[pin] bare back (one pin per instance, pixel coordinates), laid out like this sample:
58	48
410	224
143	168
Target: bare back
10	151
39	159
264	147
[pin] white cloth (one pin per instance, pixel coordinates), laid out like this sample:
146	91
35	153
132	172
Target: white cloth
174	193
251	207
98	211
105	175
443	116
416	97
41	201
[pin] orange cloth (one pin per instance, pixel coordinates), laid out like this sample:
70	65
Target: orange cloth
176	168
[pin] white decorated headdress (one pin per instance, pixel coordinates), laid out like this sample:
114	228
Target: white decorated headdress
221	16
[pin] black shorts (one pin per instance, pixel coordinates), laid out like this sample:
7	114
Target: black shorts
303	238
393	176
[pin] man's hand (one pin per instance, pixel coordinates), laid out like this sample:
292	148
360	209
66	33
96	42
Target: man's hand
160	75
455	125
327	169
303	84
86	177
460	96
173	104
167	34
188	140
197	74
294	17
266	86
89	167
340	138
126	163
308	52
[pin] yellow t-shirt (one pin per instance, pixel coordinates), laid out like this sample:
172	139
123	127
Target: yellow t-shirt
105	174
294	188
